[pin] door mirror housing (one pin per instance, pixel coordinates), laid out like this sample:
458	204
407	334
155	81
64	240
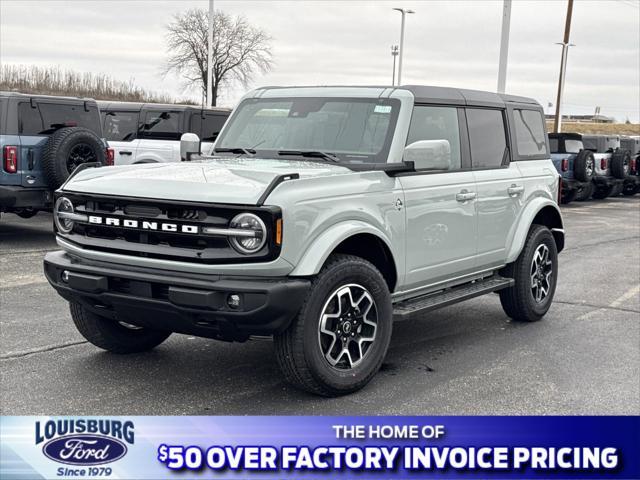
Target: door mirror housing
189	145
429	154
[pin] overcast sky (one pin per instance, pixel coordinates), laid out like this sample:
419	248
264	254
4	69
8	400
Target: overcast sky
453	43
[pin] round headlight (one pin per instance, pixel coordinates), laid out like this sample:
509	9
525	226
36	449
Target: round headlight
252	242
63	205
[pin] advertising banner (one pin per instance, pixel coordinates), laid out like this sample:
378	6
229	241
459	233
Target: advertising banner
319	447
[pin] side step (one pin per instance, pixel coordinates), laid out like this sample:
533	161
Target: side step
432	301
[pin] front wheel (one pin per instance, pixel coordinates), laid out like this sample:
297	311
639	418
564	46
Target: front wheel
114	336
338	341
535	273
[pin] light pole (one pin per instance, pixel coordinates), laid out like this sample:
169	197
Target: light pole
504	46
210	55
404	13
394	54
557	125
563	72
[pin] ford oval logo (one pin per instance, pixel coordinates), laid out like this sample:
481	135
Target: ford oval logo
84	449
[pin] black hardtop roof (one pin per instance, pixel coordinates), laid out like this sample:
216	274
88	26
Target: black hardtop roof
460	96
442	95
571	135
7	94
137	106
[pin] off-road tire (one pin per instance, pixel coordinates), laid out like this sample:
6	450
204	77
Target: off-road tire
602	192
568	196
58	149
617	190
620	163
580	165
297	349
585	193
518	301
110	335
631	189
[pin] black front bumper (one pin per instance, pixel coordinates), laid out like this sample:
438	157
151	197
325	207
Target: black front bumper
192	304
17	196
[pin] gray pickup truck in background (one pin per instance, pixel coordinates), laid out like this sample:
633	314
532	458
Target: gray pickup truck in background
325	214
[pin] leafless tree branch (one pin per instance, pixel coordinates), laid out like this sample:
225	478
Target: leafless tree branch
240	50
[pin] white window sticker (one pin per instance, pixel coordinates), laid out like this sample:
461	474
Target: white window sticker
382	109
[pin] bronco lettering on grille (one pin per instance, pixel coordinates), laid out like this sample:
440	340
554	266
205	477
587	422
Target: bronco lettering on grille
143	224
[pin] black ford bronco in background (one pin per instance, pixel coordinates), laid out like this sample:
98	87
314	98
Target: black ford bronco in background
43	139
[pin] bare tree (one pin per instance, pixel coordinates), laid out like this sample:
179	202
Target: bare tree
240	50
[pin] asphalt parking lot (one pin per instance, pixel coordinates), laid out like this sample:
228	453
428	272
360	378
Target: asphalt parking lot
583	358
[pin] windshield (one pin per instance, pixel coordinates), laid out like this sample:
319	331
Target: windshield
351	129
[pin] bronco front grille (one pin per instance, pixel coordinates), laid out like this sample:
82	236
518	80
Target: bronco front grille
184	242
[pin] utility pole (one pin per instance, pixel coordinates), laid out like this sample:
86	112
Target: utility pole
404	13
504	46
557	125
394	54
210	56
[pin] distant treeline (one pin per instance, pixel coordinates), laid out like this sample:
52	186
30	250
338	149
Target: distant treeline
53	80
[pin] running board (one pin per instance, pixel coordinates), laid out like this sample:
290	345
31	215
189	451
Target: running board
425	303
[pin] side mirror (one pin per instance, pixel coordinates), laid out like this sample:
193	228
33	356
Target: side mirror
429	154
189	145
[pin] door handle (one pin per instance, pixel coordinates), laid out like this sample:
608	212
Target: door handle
465	196
125	152
515	190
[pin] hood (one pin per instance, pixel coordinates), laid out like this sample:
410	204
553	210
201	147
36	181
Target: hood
220	180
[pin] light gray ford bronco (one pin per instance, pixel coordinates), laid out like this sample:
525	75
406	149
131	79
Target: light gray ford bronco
325	214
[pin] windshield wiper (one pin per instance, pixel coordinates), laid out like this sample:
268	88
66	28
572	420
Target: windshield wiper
311	153
236	150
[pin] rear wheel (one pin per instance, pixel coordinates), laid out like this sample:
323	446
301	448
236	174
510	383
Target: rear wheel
114	336
338	341
535	273
631	189
568	196
603	192
617	190
585	192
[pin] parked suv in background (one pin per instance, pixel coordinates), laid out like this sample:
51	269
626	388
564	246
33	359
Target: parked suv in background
574	163
150	133
326	213
43	139
632	181
612	166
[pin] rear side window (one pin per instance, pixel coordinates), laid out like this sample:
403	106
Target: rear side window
572	146
120	126
29	120
554	145
56	115
437	123
487	137
211	126
530	139
161	125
